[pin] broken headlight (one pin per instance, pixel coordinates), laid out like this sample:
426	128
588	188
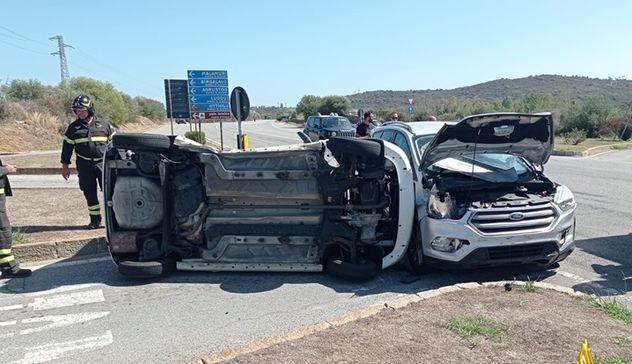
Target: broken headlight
564	198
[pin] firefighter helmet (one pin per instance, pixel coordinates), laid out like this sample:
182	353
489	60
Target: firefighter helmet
83	102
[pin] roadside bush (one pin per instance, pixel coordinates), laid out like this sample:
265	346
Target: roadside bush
625	131
574	136
198	136
25	90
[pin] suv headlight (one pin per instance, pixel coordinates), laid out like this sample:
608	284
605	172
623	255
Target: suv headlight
564	198
333	133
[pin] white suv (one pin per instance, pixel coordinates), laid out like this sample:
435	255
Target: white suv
480	193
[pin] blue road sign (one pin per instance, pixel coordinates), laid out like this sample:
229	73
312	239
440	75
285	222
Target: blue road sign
208	74
208	92
411	109
209	82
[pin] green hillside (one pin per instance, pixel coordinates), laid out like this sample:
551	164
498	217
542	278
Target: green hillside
560	90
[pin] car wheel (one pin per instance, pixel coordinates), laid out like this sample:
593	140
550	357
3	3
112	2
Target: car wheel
351	271
151	269
153	142
415	254
372	149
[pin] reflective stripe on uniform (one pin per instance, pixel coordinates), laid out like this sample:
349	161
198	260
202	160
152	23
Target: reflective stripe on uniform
1	191
7	259
110	136
87	140
5	251
94	210
88	158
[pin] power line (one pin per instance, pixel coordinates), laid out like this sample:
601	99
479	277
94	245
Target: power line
23	37
25	49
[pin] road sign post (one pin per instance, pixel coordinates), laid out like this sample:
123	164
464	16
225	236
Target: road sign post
240	107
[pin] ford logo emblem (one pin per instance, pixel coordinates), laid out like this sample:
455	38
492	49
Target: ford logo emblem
516	216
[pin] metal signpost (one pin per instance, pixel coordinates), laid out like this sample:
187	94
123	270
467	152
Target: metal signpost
208	97
177	100
240	107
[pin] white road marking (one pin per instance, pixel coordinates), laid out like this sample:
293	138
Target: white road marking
573	276
48	352
8	323
12	307
66	300
61	289
61	321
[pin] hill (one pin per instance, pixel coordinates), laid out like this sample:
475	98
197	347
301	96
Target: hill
560	89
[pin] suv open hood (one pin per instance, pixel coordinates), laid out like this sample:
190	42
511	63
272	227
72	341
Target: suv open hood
527	135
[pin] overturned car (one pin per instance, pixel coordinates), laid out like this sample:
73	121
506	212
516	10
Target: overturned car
339	205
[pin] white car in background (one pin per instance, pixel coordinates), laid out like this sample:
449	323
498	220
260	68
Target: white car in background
481	196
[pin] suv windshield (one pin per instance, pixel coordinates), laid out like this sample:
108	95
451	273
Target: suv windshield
492	167
421	143
336	122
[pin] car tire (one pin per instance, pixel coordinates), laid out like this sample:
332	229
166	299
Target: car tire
362	147
351	271
414	254
151	269
136	141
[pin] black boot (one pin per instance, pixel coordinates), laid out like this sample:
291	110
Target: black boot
15	272
95	222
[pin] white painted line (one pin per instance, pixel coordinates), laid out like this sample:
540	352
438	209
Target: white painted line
12	307
48	352
61	321
573	276
66	300
8	323
61	289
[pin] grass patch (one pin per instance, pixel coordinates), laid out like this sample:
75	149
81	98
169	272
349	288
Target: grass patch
19	237
469	327
528	287
617	360
589	143
612	309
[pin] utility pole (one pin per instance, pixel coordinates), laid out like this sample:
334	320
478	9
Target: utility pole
63	65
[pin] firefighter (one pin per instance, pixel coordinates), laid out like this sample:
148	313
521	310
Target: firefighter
9	266
88	137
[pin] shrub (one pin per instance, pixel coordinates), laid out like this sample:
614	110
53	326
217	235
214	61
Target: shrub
574	136
198	136
625	131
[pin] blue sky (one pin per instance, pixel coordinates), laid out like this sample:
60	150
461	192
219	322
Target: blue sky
281	50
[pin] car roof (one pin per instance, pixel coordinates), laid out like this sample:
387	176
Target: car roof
418	127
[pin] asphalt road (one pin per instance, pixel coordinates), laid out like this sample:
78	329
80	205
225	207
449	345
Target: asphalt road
88	313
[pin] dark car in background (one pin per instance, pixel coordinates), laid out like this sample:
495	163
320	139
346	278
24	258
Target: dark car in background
319	127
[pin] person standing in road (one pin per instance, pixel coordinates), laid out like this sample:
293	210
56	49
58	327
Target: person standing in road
87	136
363	130
9	267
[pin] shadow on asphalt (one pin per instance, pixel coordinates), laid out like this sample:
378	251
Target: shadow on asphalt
45	228
393	280
615	279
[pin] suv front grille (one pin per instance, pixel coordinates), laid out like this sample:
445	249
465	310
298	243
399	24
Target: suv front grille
513	219
345	134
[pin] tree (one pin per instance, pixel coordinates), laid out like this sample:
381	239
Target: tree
308	105
110	104
25	90
334	104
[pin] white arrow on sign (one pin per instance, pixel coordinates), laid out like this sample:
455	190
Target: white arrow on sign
410	101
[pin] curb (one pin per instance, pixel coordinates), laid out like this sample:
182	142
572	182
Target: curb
588	152
74	249
366	312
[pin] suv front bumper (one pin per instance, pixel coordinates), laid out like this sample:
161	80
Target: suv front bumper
543	247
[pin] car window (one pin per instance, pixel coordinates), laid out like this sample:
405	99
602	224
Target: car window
336	122
421	142
400	141
317	122
388	135
378	134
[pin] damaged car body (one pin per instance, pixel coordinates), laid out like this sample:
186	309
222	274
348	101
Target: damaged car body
339	205
482	198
